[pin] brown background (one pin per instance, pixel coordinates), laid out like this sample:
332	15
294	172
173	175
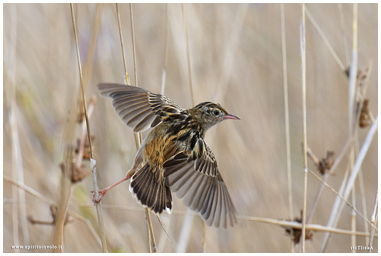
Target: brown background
236	60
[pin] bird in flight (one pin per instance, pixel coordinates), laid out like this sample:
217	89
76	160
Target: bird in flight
174	155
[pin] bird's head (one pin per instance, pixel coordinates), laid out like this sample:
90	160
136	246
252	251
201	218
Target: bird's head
210	114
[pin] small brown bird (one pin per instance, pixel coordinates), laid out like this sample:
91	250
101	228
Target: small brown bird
174	155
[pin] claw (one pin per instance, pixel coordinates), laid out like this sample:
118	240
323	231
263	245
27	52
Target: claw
99	198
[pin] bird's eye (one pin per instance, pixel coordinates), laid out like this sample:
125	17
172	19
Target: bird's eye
216	112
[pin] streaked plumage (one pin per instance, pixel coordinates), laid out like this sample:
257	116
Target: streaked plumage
174	155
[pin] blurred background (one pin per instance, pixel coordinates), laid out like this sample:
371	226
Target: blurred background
236	59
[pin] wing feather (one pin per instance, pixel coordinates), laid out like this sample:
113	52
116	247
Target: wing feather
138	108
199	182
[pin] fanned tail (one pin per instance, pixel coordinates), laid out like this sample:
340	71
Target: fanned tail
150	190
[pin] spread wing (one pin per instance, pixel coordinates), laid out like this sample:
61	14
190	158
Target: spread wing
138	108
194	176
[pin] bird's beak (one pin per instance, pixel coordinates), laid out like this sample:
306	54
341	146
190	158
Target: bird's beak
228	116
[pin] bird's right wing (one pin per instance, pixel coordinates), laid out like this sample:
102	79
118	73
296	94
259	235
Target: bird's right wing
139	108
195	178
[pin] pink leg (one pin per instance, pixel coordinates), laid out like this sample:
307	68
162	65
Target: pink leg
104	191
130	173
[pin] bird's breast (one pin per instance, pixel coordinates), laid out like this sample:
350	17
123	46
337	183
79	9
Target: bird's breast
159	146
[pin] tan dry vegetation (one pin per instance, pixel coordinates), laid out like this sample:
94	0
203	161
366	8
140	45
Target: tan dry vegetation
236	60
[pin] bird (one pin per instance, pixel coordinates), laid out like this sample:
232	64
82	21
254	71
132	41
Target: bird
174	156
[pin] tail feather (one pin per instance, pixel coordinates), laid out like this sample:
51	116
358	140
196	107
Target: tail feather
151	190
168	199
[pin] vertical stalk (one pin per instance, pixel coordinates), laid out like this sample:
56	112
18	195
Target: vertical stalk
93	162
351	117
137	136
303	58
287	120
374	221
188	54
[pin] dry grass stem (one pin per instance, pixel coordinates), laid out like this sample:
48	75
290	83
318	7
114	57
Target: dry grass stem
133	44
286	119
342	153
188	53
298	225
304	100
164	72
137	136
18	195
93	162
38	195
342	198
374	222
353	72
337	208
363	202
127	77
164	230
93	43
343	34
351	107
186	226
29	190
325	40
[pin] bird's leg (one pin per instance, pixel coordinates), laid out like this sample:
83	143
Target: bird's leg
130	173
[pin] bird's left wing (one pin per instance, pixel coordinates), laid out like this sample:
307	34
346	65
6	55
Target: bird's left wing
139	109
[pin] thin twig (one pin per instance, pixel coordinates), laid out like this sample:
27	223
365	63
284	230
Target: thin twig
162	89
164	235
38	195
363	202
325	40
188	54
93	44
65	194
133	44
362	84
351	95
287	120
93	162
298	225
353	72
164	72
151	237
127	77
342	24
303	65
336	210
351	101
137	136
342	198
29	190
19	209
164	229
344	149
186	227
374	221
353	194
